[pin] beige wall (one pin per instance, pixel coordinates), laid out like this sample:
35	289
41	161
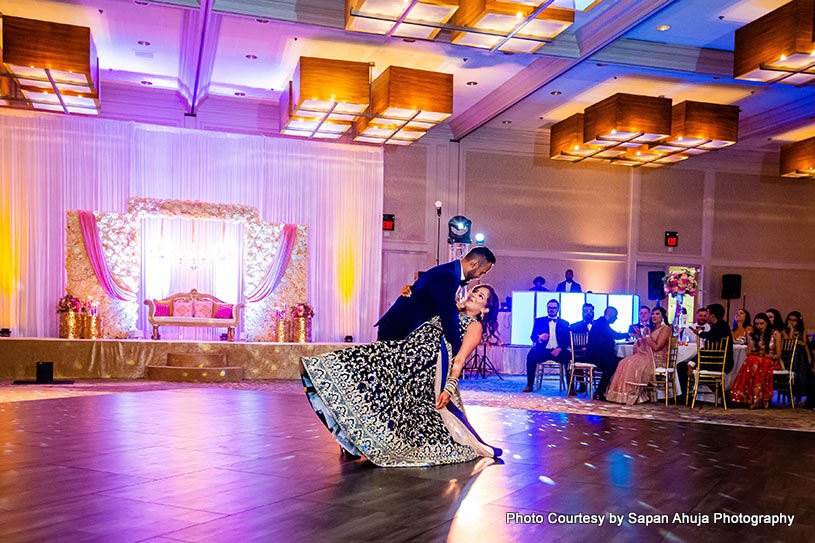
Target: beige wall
671	200
542	216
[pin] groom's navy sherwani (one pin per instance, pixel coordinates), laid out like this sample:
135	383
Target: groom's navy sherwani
434	293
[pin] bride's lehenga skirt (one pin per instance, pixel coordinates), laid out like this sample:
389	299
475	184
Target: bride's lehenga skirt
378	400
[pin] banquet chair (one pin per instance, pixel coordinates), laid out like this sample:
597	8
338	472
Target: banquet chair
663	377
555	369
786	375
709	369
582	372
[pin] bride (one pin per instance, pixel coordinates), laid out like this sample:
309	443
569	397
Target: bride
397	402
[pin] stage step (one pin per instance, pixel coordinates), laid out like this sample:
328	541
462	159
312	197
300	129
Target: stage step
181	374
197	360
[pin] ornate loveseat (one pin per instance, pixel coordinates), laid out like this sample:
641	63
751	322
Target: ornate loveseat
193	296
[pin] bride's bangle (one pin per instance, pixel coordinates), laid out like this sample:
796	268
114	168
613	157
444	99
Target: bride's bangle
451	386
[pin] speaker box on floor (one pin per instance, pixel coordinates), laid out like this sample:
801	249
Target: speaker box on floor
655	285
731	286
45	372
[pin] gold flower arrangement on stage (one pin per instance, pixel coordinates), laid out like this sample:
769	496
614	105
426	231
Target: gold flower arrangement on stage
120	243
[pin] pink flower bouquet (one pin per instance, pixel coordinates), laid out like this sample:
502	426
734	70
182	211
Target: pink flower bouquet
70	303
681	283
302	310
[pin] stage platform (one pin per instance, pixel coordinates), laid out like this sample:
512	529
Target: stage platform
129	358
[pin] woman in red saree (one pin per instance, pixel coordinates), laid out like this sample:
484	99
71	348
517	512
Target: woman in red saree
754	383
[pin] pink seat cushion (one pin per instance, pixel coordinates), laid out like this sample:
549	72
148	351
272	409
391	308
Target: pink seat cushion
202	309
182	309
224	311
162	308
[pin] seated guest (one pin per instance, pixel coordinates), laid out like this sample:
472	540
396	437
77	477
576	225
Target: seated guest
717	329
602	349
702	323
641	328
537	284
754	383
550	338
776	321
649	352
584	326
741	327
569	285
802	362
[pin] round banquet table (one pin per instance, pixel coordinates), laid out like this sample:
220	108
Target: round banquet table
688	352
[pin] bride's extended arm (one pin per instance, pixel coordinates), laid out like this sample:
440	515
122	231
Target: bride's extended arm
471	340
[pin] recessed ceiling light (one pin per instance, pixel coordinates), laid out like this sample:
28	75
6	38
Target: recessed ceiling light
147	83
555	93
144	43
240	94
472	83
506	122
508	52
251	57
262	21
408	40
663	28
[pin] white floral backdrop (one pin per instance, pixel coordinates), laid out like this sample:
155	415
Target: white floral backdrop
120	241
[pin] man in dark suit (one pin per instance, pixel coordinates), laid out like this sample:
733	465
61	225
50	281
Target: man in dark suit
584	326
602	350
551	341
718	330
434	293
569	285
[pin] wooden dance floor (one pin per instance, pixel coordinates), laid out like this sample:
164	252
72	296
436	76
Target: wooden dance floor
203	464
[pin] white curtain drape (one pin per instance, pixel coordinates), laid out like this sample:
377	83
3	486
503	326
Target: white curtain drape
52	163
178	255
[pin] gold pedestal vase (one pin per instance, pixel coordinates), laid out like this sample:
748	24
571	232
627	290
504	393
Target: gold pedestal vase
70	325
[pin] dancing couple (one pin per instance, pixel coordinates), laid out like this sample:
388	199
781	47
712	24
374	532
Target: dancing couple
396	401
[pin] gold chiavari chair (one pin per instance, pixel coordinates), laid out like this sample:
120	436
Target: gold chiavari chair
785	376
581	370
555	369
709	368
663	377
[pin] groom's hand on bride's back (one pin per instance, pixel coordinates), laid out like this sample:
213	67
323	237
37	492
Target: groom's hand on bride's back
406	292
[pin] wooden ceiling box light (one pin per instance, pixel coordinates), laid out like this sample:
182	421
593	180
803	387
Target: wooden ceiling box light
624	124
778	47
324	97
405	103
698	127
509	23
394	17
798	159
53	66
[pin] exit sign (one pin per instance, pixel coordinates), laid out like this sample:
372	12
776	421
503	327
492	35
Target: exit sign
387	221
671	239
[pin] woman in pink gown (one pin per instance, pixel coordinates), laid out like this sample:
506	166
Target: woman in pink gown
754	383
639	367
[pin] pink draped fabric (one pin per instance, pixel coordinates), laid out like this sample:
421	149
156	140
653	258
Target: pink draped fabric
278	266
93	245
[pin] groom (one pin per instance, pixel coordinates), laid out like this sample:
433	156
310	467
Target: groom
434	293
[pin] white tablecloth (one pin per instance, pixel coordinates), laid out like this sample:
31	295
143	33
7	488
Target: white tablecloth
509	359
688	352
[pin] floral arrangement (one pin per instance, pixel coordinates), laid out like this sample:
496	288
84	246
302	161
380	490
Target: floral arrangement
302	310
70	303
681	283
279	312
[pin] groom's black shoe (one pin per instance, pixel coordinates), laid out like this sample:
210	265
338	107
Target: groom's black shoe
528	389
